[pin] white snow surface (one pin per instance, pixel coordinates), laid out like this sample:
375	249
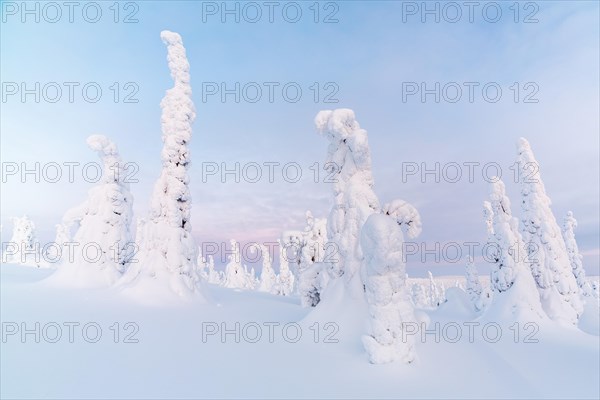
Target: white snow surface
172	361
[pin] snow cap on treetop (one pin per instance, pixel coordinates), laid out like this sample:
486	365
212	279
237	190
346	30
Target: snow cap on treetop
102	144
523	144
340	123
497	189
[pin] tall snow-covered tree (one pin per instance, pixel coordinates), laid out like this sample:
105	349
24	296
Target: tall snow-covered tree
576	259
388	298
167	256
473	288
102	225
349	165
23	247
547	252
268	278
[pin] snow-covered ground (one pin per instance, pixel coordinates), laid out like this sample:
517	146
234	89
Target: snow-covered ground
168	352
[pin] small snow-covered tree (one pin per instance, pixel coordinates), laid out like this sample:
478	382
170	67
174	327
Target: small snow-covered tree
286	278
236	275
419	296
568	230
268	278
101	223
349	163
23	247
214	276
310	246
389	301
547	252
473	284
167	257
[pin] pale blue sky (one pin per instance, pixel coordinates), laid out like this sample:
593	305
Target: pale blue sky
368	54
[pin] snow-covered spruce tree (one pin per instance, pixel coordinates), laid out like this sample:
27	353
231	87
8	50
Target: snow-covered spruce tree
508	246
268	278
473	288
23	247
510	278
389	300
285	279
384	276
167	256
547	253
252	281
349	162
568	230
102	225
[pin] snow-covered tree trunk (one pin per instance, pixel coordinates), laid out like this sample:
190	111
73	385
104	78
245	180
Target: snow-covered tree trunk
568	230
473	288
547	253
167	257
349	163
389	301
